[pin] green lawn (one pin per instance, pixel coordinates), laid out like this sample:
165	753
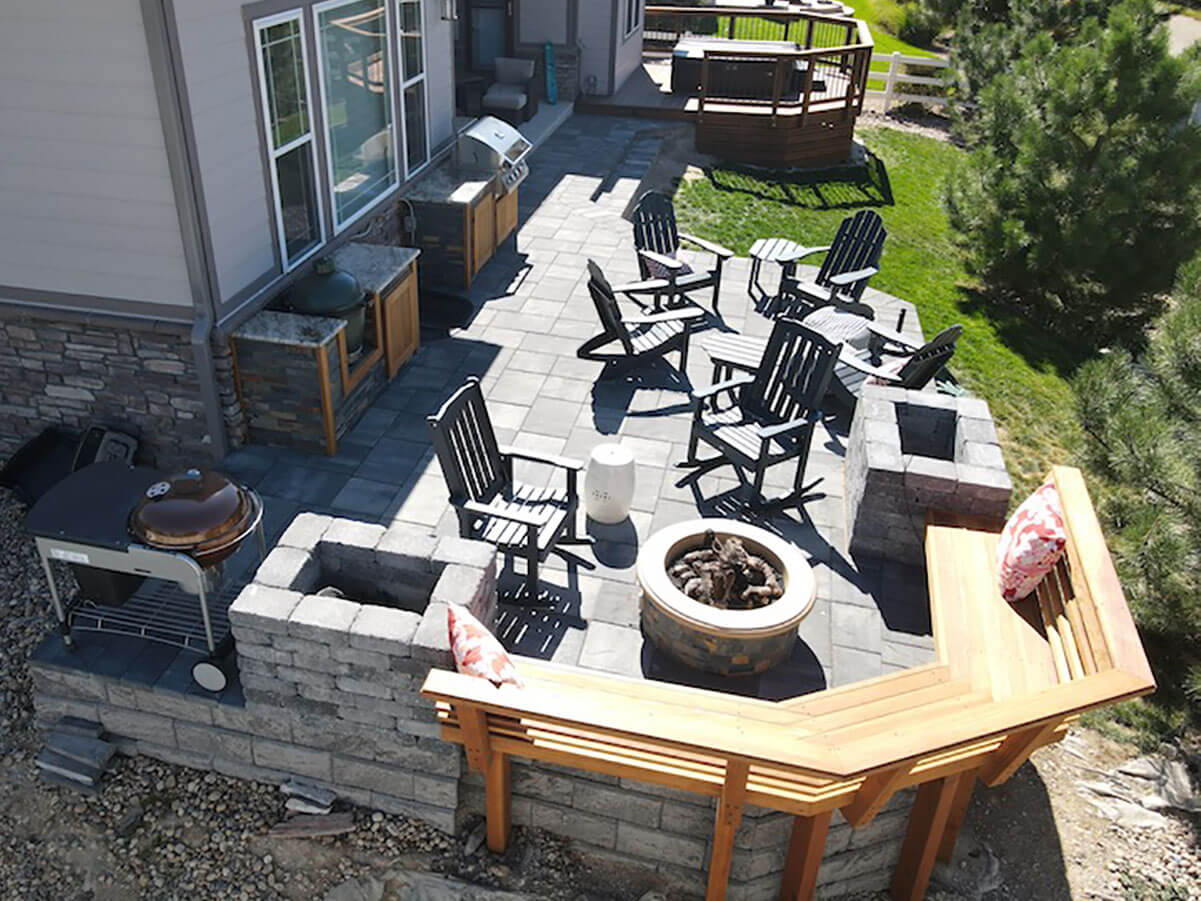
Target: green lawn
1020	372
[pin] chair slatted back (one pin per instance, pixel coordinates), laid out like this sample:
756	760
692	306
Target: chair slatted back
929	359
607	309
857	245
794	375
655	224
466	445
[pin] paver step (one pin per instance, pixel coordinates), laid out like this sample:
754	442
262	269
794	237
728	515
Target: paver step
85	774
90	751
56	779
74	725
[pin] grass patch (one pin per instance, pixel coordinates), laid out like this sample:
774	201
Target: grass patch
1021	372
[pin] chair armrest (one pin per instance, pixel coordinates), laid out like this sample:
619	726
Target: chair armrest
729	385
538	457
478	509
646	286
854	277
669	263
803	252
784	428
713	247
688	313
868	369
891	336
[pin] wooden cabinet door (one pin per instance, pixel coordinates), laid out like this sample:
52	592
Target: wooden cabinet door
506	215
483	233
402	328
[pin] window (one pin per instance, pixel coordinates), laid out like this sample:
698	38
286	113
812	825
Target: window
633	16
283	81
412	85
356	96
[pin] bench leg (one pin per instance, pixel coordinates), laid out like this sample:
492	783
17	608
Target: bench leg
805	851
959	806
498	802
927	820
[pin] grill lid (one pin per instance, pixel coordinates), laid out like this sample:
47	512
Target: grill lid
199	511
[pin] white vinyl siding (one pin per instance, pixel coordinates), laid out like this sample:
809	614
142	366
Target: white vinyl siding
86	200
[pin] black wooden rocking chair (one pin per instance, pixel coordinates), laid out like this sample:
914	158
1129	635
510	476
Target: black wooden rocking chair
657	240
521	520
850	262
773	412
635	338
912	366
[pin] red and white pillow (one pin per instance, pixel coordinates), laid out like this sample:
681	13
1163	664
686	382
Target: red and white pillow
476	650
890	367
1031	543
655	269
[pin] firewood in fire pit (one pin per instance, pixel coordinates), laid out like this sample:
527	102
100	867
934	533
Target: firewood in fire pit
724	574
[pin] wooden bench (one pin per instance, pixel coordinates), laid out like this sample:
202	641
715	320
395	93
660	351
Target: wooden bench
1008	680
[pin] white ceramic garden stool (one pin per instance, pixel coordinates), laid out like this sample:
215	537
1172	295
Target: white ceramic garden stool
609	483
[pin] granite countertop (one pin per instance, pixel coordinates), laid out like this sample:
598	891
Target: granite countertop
296	329
446	184
376	266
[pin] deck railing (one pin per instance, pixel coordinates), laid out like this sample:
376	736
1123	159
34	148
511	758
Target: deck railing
827	71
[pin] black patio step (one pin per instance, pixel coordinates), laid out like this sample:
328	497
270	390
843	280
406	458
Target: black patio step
84	774
74	725
56	779
90	751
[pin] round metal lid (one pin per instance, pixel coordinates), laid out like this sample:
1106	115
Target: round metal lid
190	509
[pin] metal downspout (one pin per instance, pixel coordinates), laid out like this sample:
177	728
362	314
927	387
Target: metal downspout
210	393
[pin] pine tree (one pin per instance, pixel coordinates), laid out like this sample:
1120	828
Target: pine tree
1142	424
1079	199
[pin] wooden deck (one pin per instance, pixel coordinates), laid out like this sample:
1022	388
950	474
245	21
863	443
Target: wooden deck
1008	680
792	125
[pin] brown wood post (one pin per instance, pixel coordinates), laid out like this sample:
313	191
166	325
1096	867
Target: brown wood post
873	795
498	802
729	815
807	86
927	820
700	101
959	806
805	851
1014	751
809	35
777	80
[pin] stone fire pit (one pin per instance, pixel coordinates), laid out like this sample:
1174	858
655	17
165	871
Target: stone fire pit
728	642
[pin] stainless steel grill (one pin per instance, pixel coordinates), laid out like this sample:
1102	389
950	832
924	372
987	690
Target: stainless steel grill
491	145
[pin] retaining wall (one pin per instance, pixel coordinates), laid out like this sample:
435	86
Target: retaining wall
332	694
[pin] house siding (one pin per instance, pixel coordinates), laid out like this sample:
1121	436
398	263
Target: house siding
596	35
86	200
628	57
221	88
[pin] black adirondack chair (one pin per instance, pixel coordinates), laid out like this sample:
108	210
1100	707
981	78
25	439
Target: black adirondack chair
521	520
657	240
635	339
772	413
911	366
850	262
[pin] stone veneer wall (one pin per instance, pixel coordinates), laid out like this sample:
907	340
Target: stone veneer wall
332	694
59	371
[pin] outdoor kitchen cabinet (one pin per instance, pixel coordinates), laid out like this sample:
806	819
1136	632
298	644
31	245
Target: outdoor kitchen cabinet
297	384
506	216
456	225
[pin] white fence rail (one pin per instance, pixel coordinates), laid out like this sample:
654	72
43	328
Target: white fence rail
896	79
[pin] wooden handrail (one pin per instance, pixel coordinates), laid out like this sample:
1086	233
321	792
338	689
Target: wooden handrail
779	15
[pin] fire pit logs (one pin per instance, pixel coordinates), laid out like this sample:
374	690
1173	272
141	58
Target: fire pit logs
723	574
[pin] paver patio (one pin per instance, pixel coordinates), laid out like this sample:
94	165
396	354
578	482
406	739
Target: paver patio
532	312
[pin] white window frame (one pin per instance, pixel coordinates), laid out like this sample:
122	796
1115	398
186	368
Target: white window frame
632	16
273	154
400	76
317	9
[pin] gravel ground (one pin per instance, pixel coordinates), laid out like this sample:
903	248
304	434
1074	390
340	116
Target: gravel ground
159	831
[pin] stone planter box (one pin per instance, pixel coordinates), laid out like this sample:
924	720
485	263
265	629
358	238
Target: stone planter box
728	642
913	452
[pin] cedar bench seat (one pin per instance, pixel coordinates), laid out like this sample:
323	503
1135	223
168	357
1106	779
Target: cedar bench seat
1008	680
